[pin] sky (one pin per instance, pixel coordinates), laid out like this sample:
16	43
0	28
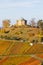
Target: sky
16	9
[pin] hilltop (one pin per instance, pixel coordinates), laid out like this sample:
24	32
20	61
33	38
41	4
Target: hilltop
21	44
21	31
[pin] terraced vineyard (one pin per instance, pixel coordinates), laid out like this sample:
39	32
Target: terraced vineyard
19	53
35	49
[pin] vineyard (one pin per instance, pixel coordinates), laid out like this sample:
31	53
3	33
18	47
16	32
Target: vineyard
18	53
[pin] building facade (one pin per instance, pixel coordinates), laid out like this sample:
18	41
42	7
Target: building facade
21	22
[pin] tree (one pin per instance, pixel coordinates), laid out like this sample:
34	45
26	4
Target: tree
6	23
40	24
32	22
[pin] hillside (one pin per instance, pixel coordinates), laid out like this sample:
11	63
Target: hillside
13	53
23	33
19	44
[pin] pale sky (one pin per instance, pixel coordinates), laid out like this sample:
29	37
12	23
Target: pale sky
15	9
